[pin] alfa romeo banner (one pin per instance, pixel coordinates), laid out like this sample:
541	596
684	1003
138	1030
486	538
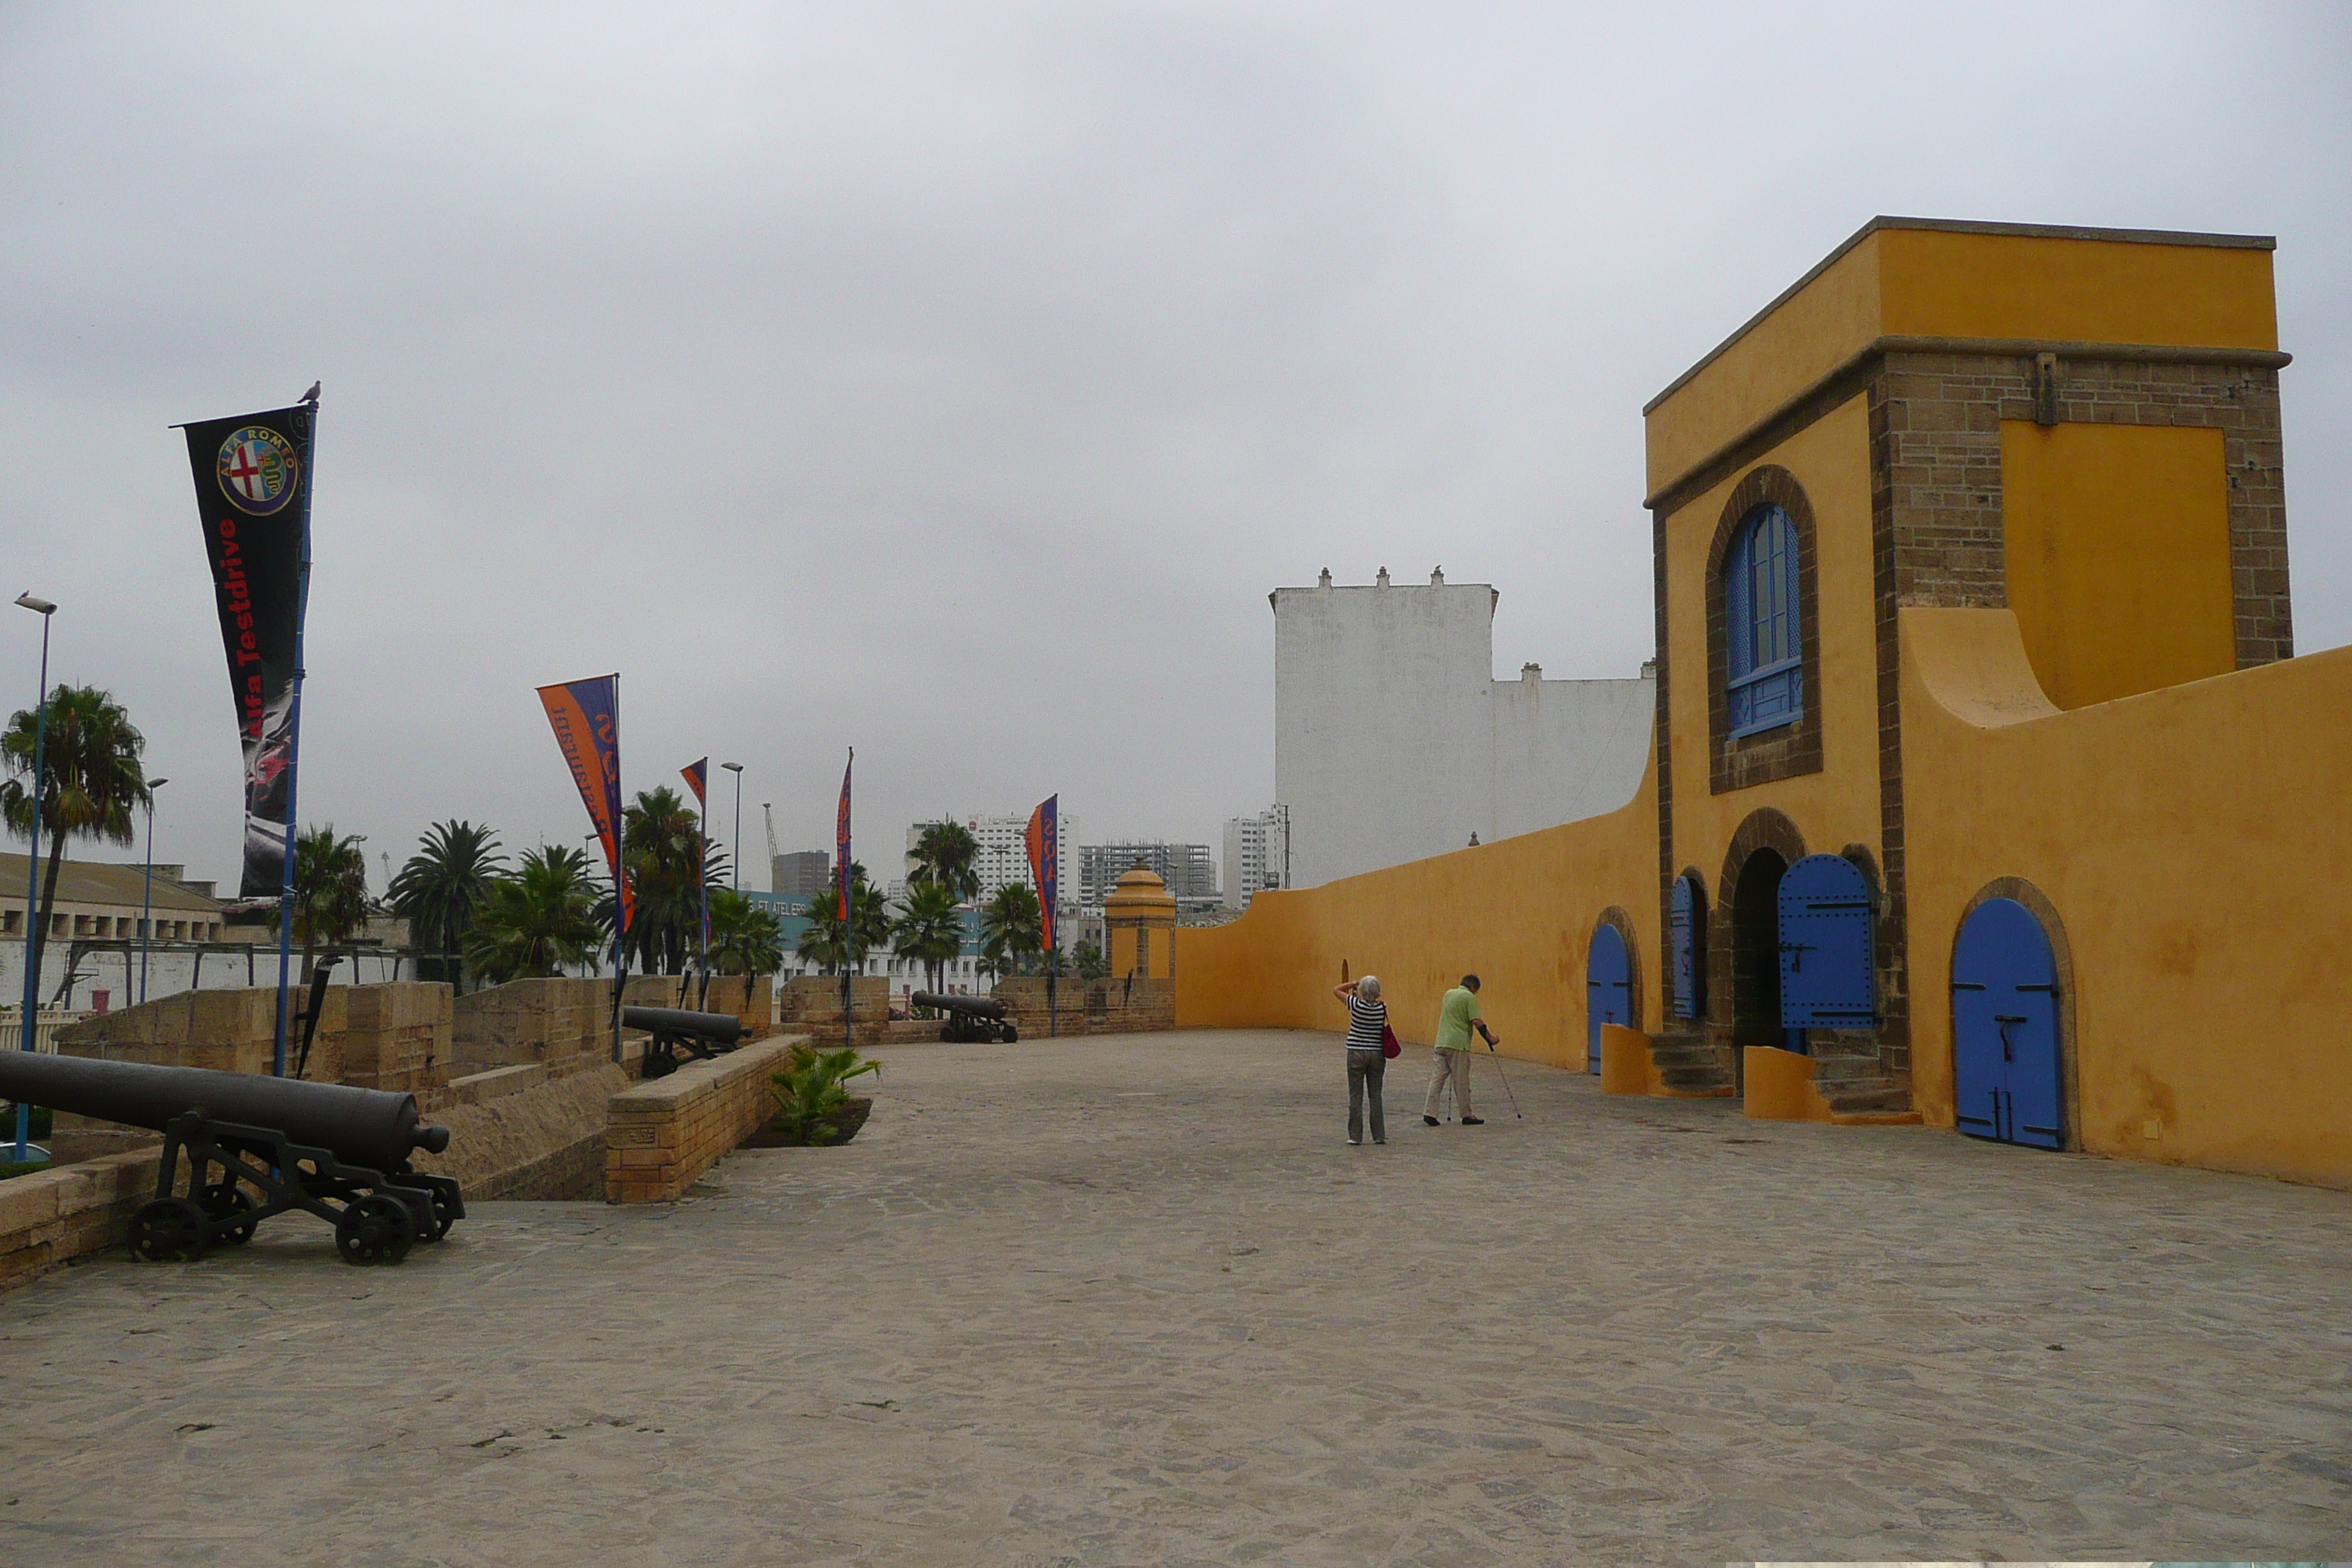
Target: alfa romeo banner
1044	838
253	491
586	718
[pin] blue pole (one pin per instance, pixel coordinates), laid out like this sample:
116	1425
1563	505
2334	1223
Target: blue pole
29	1033
294	761
147	897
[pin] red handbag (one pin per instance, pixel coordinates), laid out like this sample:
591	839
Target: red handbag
1389	1047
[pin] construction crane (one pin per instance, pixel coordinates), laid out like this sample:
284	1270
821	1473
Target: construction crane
768	810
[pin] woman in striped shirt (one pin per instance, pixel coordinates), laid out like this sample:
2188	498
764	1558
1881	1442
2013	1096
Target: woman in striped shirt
1368	1023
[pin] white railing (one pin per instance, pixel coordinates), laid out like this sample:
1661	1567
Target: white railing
45	1031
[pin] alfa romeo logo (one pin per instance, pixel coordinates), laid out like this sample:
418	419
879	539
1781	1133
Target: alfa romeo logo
257	471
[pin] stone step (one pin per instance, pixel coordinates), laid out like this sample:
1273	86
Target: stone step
1888	1096
1694	1077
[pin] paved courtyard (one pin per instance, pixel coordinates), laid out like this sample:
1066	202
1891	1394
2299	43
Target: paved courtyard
1134	1300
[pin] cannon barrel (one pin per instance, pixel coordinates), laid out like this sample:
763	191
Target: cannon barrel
970	1007
368	1127
723	1027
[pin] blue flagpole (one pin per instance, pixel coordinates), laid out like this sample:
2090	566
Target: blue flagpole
294	759
29	1033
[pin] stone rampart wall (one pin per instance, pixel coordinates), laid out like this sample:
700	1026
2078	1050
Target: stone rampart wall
1088	1006
662	1136
71	1211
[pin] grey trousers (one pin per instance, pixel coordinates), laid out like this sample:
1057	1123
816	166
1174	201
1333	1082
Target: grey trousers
1453	1065
1365	1070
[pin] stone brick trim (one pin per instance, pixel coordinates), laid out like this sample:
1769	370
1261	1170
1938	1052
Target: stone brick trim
2061	952
1662	736
1793	749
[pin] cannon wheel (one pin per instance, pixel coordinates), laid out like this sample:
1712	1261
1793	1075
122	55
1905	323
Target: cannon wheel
1012	1035
168	1230
224	1202
448	1206
374	1229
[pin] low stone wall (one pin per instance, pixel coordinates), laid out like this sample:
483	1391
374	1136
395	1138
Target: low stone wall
1088	1006
660	1136
71	1211
519	1132
814	1002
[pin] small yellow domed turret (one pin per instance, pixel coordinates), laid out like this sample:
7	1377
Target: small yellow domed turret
1140	920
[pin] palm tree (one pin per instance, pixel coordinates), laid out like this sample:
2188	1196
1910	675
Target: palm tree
1089	958
331	901
746	938
820	941
661	848
930	927
95	778
944	854
441	886
1012	927
537	920
824	942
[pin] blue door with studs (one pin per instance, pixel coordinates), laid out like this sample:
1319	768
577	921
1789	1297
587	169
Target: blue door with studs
1608	990
2005	1083
1826	915
1685	918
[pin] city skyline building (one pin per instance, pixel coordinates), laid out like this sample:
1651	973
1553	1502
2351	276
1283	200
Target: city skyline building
1254	849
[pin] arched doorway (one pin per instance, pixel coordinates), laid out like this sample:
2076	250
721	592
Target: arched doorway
1608	989
2005	1067
1756	953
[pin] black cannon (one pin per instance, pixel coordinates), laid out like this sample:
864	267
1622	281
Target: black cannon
699	1034
971	1019
279	1143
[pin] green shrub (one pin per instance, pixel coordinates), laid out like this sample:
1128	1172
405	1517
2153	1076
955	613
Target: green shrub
810	1089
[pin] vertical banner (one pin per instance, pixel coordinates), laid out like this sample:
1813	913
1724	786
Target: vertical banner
1045	863
842	877
253	492
586	716
696	775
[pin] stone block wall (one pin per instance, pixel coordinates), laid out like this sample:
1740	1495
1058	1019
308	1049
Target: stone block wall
392	1038
71	1211
563	1025
814	1001
661	1136
1088	1006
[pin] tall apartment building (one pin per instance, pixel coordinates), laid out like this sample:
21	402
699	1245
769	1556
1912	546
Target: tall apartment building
1004	858
1189	870
1394	741
801	874
1254	849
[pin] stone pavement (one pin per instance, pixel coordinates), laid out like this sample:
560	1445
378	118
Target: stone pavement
1133	1300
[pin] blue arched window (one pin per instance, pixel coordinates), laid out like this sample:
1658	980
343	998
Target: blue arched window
1766	677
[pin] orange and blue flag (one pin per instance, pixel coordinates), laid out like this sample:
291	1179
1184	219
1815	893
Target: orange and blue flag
586	715
698	778
697	775
1044	838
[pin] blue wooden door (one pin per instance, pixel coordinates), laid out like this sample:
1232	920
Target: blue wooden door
1826	916
2005	1081
1608	990
1684	919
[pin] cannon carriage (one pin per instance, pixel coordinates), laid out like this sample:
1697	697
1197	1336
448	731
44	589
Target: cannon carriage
240	1149
970	1020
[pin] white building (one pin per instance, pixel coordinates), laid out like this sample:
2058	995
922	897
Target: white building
1003	856
1394	741
1254	856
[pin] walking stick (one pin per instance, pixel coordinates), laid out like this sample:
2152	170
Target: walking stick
1504	1076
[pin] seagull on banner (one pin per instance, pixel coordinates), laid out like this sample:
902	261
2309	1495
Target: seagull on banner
311	396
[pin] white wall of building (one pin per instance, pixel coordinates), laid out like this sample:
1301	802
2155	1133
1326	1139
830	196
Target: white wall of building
1394	741
1003	856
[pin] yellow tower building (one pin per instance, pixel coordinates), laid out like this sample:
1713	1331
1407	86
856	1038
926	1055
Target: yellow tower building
1140	918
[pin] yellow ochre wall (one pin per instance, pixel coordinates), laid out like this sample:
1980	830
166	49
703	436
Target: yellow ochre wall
1518	913
2117	543
1839	804
2193	842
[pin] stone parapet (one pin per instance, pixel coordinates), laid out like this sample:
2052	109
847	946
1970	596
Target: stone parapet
660	1136
813	1001
52	1216
1088	1006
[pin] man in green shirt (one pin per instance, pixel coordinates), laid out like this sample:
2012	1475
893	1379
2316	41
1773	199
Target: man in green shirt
1457	1017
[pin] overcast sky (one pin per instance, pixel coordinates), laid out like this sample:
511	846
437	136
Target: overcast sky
955	382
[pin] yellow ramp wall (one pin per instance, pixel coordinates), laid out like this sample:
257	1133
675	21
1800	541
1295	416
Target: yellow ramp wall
1519	913
2194	844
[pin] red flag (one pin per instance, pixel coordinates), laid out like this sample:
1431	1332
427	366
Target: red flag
841	837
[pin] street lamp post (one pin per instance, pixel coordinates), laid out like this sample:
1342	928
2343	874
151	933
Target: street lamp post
29	1029
147	896
735	860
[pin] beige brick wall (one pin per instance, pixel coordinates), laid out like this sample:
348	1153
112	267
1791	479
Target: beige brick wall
1088	1006
660	1137
68	1212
